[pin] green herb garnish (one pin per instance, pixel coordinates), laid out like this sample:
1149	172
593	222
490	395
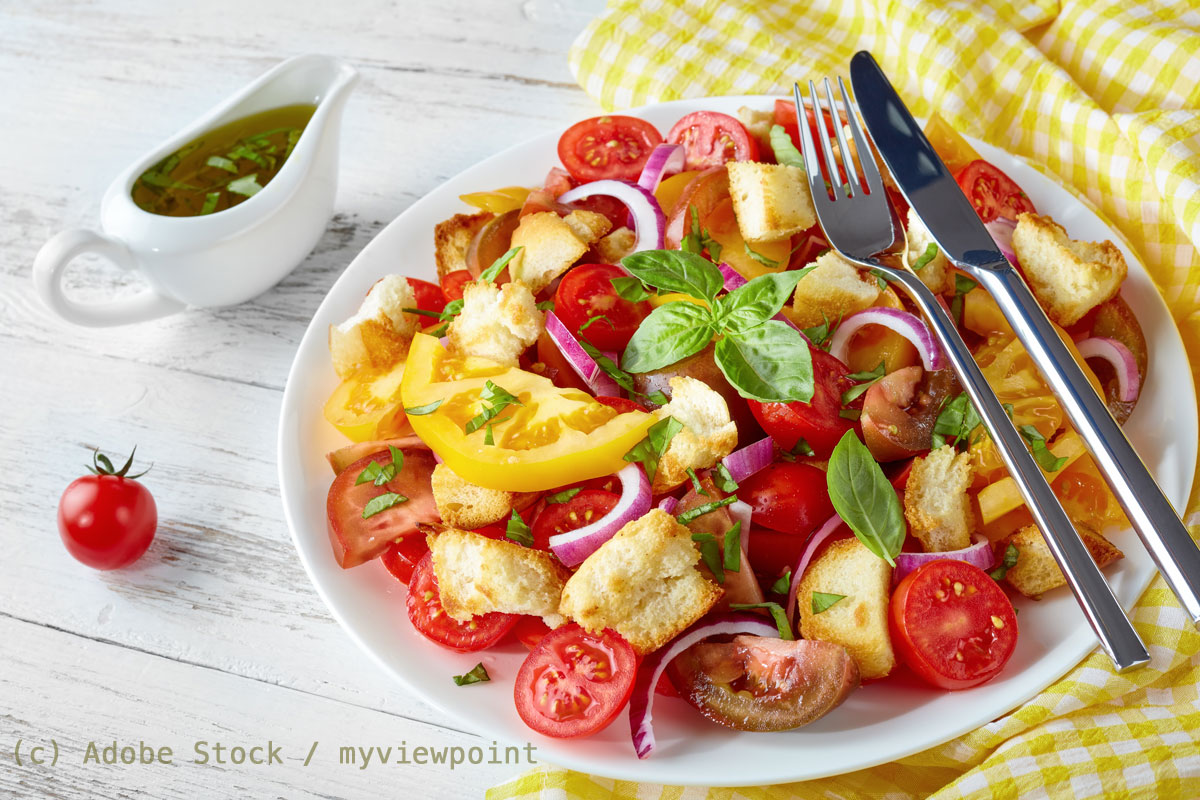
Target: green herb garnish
220	162
820	335
489	274
1011	555
478	674
957	419
710	554
733	548
651	449
783	583
562	497
962	285
865	500
777	614
420	411
822	601
210	203
700	511
630	288
247	186
769	263
382	503
869	378
697	240
1041	454
723	479
497	399
518	531
691	473
929	254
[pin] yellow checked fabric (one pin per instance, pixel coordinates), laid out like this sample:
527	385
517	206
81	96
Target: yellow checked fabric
1104	95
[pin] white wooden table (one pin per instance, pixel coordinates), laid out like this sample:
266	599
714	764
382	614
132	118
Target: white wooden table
216	635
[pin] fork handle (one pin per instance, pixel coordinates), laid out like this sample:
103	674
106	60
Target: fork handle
1156	522
1116	633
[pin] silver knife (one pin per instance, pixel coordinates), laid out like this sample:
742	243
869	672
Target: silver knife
936	198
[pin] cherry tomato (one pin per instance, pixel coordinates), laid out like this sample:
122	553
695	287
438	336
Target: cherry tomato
490	243
952	624
403	554
991	192
557	182
899	411
806	246
530	630
575	683
586	292
582	509
607	147
621	404
431	620
429	295
818	421
788	497
107	520
453	282
711	138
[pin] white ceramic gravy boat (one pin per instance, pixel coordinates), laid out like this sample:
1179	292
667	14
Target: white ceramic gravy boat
233	255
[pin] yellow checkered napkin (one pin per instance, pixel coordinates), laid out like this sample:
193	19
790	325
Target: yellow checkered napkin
1105	94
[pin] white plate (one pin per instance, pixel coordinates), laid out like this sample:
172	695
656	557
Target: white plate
878	723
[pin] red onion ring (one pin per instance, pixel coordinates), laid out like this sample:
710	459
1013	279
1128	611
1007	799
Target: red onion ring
574	546
649	222
742	512
1122	360
584	365
642	699
668	504
814	541
664	160
750	459
907	325
1001	229
978	554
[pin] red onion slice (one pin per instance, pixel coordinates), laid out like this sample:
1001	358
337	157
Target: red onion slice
664	160
649	222
668	504
584	365
742	512
642	699
1122	360
750	459
574	546
1001	229
978	554
814	541
733	278
907	325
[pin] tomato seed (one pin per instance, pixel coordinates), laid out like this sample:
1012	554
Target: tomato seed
996	621
958	588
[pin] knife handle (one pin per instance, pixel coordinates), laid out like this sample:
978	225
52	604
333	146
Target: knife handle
1156	522
1116	633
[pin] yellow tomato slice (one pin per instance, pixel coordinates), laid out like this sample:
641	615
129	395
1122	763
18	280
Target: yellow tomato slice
671	189
367	405
875	343
510	198
951	146
556	436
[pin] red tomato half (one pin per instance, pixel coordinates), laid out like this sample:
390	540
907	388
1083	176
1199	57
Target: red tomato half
788	497
429	295
607	147
952	624
711	138
403	554
818	421
991	192
575	683
530	630
107	521
453	282
431	620
621	404
586	292
582	509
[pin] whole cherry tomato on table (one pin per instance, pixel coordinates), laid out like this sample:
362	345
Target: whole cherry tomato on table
107	519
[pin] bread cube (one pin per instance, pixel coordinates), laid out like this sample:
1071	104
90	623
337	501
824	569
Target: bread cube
708	434
770	201
496	322
1036	572
836	288
1068	277
452	238
379	334
936	504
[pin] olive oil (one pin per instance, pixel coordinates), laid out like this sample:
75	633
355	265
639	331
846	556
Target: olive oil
224	167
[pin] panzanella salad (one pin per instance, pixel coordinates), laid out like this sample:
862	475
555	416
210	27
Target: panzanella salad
647	423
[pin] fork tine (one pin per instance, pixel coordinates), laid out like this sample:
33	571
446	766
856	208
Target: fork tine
847	161
831	165
865	155
812	160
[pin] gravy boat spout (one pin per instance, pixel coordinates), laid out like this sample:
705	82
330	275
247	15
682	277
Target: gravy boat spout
222	258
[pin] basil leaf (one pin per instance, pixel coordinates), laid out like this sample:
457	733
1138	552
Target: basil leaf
478	674
733	548
562	497
958	418
489	438
710	554
785	149
247	186
671	333
723	478
820	335
649	450
880	279
210	203
783	584
220	162
658	397
865	500
676	271
592	321
777	614
769	263
630	288
1011	555
700	511
962	285
822	601
420	411
850	413
518	531
758	300
619	376
1041	454
870	378
371	474
545	305
397	457
382	503
489	274
696	482
929	254
697	239
497	399
769	363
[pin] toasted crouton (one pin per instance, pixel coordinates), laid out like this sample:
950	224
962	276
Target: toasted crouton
836	288
477	575
859	621
452	237
642	583
496	322
936	272
551	244
936	504
770	201
1036	571
708	433
758	124
464	505
1068	277
379	334
618	244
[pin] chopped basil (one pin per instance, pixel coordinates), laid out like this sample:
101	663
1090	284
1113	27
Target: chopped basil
696	482
700	511
850	413
800	448
420	411
769	263
649	450
545	305
658	397
777	614
697	239
929	254
865	500
376	474
723	479
210	203
478	674
820	335
247	186
671	333
518	531
783	584
869	378
710	554
619	376
593	320
497	399
962	285
222	163
823	601
785	149
382	503
1011	555
489	274
1041	454
733	548
880	279
629	288
562	497
489	438
957	419
758	300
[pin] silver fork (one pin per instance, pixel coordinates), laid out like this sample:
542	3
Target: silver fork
860	226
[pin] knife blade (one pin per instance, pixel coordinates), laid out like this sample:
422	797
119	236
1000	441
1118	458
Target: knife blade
919	171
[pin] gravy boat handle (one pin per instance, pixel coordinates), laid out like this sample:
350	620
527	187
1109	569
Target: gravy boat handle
52	261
